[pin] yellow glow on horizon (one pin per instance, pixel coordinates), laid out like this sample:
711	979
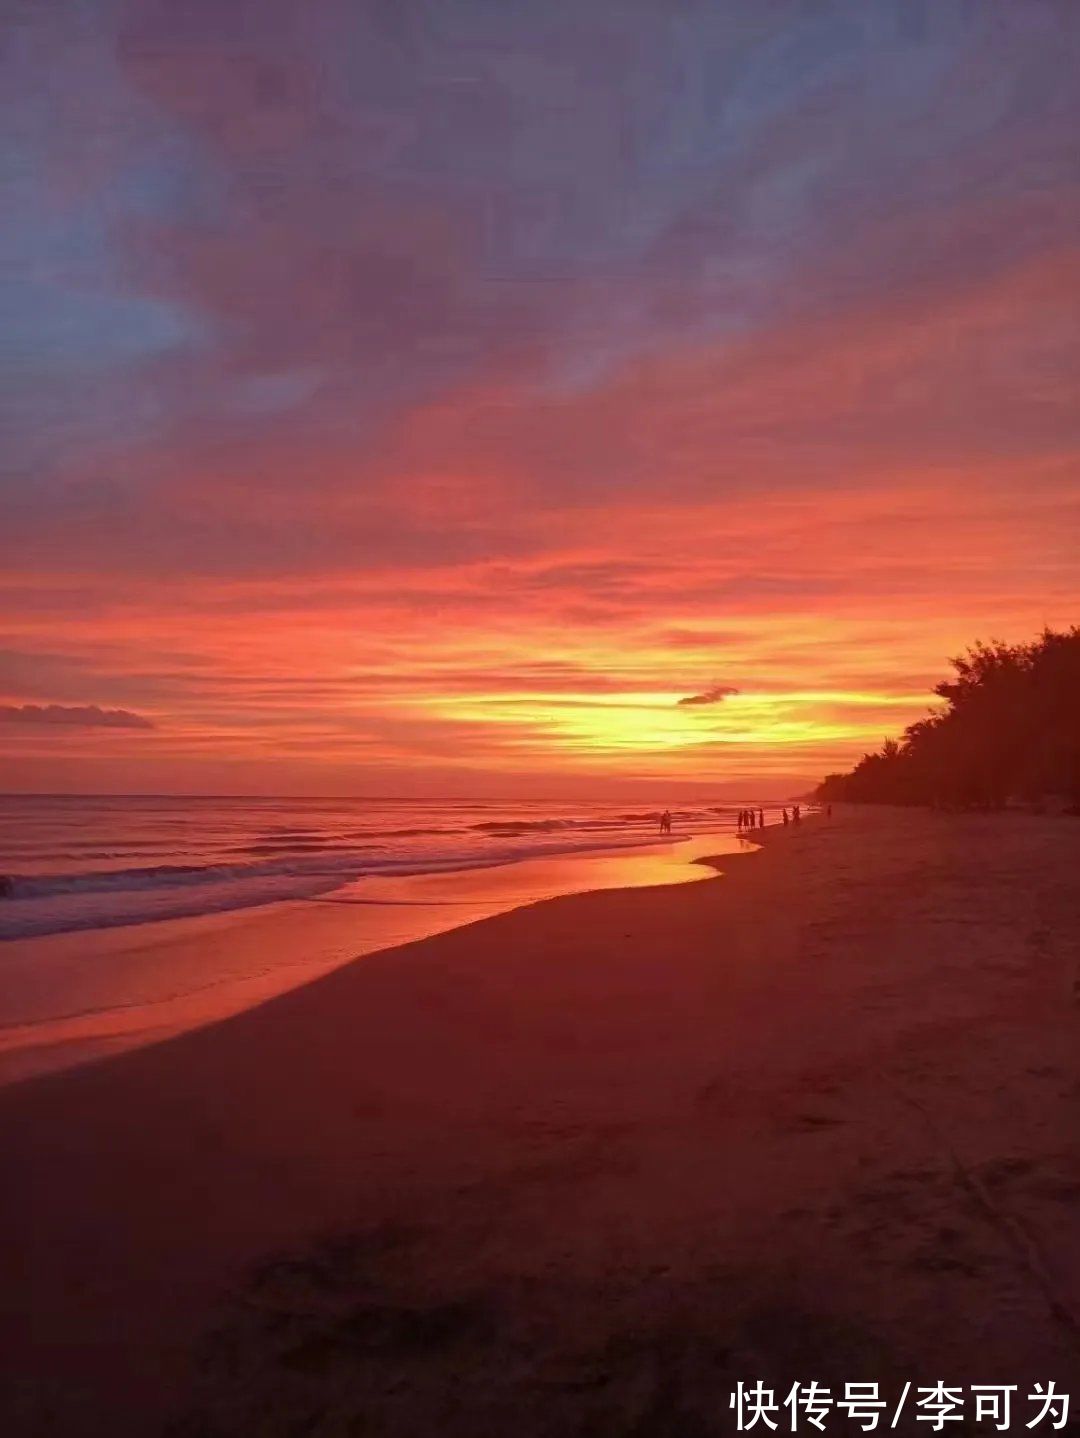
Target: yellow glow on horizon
647	722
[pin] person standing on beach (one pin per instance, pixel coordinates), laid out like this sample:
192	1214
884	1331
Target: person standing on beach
786	820
665	822
761	818
795	814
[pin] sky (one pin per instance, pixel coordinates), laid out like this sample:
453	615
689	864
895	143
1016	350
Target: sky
593	397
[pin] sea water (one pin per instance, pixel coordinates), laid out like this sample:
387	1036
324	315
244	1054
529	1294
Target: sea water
95	862
128	919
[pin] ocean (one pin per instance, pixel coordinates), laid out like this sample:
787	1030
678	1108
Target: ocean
95	862
126	920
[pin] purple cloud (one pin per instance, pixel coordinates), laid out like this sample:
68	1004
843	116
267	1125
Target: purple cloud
79	716
716	695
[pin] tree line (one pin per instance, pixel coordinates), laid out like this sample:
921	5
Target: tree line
1009	729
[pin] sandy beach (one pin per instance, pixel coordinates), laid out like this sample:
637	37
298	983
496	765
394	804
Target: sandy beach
581	1167
66	998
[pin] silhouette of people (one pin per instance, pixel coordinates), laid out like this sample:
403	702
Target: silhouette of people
665	822
828	811
761	818
787	821
796	814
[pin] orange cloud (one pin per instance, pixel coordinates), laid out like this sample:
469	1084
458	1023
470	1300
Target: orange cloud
373	492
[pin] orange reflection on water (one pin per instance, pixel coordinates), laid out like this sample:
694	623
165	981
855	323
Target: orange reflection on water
72	997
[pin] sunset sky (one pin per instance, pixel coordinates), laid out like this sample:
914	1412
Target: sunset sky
581	397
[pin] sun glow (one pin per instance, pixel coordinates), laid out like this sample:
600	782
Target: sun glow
438	452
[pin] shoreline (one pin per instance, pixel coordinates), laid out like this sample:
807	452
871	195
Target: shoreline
111	863
666	1137
126	986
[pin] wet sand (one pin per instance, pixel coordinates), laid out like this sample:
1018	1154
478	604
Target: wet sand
579	1168
69	997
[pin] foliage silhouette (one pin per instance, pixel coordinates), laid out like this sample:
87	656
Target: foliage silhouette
1009	729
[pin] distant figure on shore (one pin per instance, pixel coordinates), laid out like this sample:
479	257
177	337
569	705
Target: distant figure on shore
796	814
828	811
665	822
761	818
787	821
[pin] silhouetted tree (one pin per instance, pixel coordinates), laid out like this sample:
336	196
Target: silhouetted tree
1009	727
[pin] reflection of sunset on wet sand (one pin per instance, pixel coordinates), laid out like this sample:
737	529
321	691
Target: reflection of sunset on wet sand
72	996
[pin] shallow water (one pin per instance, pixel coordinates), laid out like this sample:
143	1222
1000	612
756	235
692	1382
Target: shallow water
68	997
95	862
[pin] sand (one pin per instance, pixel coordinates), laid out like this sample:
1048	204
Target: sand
69	997
579	1168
